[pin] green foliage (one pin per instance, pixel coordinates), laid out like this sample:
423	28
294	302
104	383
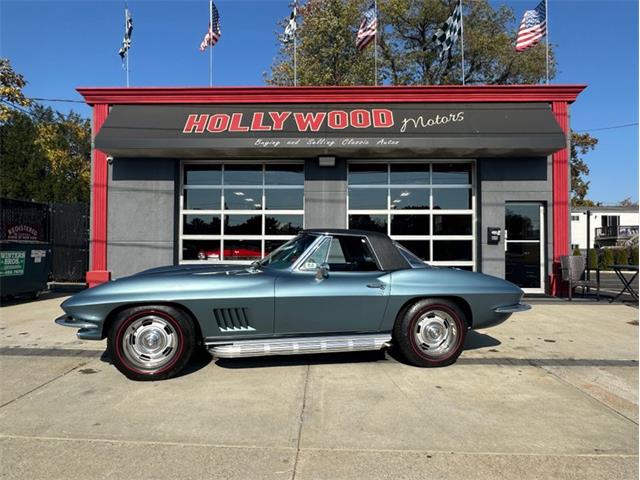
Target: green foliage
607	259
620	256
45	156
326	53
581	144
634	255
593	259
576	252
11	85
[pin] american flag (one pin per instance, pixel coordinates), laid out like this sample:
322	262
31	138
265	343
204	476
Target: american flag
213	35
368	28
532	28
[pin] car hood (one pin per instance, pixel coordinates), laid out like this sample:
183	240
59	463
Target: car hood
196	269
169	283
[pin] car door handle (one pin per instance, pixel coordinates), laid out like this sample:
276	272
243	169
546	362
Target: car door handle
376	285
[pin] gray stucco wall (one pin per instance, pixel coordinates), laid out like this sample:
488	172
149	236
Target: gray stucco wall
502	180
141	214
325	191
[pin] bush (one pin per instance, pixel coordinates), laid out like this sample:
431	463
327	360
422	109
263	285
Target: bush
593	259
607	259
634	255
620	256
576	252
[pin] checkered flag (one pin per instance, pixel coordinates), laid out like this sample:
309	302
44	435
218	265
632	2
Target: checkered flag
447	35
126	40
290	30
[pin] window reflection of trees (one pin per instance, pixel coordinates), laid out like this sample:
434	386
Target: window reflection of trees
522	226
202	225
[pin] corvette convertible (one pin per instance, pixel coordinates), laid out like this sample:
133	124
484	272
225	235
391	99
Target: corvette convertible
323	291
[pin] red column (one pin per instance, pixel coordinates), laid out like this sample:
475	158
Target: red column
561	238
98	261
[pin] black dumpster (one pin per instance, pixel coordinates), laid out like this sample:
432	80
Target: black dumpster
25	251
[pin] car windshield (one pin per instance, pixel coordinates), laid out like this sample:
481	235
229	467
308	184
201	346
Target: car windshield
285	255
413	259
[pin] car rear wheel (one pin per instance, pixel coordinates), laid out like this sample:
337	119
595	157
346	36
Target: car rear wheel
151	342
430	333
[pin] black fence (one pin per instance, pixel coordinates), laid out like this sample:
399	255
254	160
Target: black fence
65	227
69	228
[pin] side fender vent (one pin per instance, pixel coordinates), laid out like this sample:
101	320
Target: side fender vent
232	319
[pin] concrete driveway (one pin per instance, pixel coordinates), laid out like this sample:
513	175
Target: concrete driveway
550	394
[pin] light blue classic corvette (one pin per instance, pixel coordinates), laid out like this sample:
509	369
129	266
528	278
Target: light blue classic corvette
323	291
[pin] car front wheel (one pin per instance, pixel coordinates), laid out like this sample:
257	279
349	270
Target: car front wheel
151	342
431	332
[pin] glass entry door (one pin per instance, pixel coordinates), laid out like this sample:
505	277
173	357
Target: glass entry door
524	245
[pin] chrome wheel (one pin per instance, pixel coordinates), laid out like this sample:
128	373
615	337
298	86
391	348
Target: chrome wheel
150	342
435	333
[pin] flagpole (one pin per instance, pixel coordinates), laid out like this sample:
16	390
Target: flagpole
546	21
295	43
126	26
375	42
210	46
462	39
295	60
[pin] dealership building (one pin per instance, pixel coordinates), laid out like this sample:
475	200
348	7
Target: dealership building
471	177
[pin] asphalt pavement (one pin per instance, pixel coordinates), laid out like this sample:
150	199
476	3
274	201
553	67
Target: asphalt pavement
552	394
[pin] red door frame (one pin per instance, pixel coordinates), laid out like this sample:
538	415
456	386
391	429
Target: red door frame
558	96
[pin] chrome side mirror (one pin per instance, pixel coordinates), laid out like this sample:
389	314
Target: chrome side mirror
322	271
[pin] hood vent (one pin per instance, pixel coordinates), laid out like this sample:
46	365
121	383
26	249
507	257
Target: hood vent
232	319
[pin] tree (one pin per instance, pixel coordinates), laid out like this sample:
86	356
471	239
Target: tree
581	144
327	52
65	141
11	85
22	165
628	202
45	156
406	53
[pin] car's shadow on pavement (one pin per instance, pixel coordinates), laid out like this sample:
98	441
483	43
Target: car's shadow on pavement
477	340
311	359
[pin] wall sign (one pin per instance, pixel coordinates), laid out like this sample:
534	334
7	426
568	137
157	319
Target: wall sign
366	119
23	232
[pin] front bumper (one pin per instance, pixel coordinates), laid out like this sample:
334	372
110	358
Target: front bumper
86	330
516	308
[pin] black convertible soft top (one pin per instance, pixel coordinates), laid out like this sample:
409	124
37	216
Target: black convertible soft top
389	256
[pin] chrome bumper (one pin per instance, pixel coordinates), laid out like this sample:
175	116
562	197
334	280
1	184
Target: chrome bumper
518	307
69	321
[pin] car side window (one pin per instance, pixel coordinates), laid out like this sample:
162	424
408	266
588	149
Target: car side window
318	257
351	253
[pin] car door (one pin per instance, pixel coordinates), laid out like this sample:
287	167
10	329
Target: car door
351	298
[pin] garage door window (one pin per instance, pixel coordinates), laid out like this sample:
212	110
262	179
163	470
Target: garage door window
428	207
239	212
